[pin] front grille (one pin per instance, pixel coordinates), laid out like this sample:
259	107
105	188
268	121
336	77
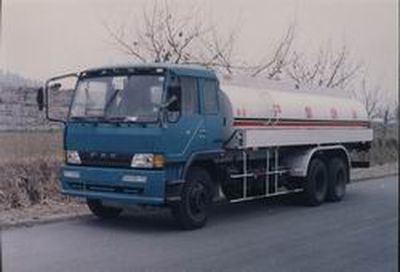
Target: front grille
105	159
80	186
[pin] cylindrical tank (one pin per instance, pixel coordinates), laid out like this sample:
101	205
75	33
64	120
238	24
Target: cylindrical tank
269	108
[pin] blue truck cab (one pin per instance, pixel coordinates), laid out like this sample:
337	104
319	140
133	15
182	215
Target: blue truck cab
135	134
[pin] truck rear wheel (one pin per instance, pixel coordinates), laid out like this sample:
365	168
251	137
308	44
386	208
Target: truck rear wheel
338	178
101	211
191	211
316	183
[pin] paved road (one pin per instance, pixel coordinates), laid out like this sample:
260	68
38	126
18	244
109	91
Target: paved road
358	234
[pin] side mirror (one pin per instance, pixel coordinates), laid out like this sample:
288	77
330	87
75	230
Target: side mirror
40	98
54	98
174	99
55	87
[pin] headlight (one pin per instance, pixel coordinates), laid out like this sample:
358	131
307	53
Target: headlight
148	161
72	157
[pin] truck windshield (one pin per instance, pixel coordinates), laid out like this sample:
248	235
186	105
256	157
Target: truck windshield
127	98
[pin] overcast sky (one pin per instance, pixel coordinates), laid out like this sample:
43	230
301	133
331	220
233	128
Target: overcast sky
42	38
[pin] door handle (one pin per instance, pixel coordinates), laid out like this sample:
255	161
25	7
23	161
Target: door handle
202	133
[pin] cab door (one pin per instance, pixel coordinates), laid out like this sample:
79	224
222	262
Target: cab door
212	132
184	122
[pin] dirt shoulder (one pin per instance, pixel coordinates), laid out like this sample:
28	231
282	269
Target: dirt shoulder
376	171
51	211
42	213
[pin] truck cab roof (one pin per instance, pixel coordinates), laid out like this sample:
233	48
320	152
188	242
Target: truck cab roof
179	69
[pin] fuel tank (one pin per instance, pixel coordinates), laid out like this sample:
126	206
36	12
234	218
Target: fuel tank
272	107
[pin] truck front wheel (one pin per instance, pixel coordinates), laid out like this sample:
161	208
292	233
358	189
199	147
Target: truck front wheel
316	184
191	211
101	211
338	178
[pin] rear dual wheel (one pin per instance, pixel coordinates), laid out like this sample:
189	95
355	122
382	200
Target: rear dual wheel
325	181
316	183
338	178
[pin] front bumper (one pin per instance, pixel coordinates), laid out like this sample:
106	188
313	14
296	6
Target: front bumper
129	186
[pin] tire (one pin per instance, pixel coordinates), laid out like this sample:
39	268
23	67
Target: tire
191	212
316	183
101	211
338	174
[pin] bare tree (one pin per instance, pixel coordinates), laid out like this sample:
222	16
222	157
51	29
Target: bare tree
327	69
371	97
273	64
389	112
167	36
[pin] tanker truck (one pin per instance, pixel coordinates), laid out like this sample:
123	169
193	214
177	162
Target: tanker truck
170	135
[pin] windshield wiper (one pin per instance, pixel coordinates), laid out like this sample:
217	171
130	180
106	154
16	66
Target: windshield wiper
83	118
121	119
111	99
88	118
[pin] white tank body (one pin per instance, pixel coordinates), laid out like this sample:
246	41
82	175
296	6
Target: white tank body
268	108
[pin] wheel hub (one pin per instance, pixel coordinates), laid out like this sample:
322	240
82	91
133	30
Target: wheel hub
339	184
198	199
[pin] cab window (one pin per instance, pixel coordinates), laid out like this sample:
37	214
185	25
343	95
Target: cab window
190	104
210	97
182	97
